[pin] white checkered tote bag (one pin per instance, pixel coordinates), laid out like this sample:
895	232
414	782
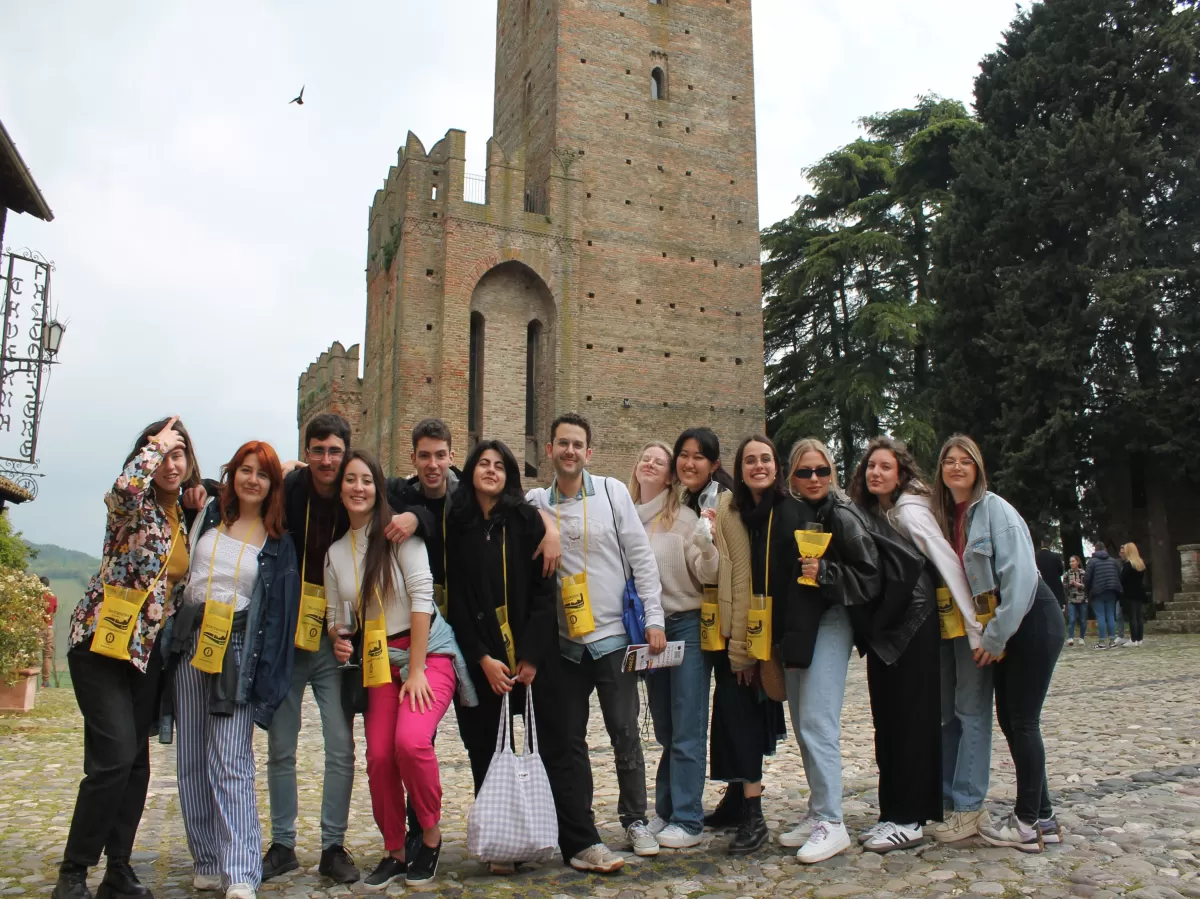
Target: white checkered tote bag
513	818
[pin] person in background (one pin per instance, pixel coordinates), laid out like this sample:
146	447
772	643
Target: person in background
48	634
1077	604
1102	580
1133	587
687	560
1022	637
1050	567
115	660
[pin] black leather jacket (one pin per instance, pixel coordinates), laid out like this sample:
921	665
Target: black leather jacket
907	595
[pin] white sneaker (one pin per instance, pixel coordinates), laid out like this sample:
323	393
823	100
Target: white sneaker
675	837
598	859
1070	641
206	882
240	891
794	839
891	836
869	832
1011	832
826	841
641	841
657	825
959	826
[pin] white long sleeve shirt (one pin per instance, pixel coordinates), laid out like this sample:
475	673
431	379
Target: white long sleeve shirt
410	574
686	562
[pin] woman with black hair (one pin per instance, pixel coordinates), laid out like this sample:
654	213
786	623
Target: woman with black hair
502	605
697	463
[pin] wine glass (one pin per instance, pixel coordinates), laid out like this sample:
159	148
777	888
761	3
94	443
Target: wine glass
347	624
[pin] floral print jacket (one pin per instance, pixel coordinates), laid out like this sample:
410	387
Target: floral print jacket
136	540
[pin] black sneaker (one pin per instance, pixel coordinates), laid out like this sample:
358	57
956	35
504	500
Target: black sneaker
412	842
423	868
388	870
279	860
338	865
72	882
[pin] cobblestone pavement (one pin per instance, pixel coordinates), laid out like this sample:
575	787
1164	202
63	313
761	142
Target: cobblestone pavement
1123	742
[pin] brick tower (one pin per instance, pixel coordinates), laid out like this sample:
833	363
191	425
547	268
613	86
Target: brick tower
608	261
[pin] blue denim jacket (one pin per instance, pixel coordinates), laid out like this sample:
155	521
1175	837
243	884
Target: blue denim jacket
265	675
999	556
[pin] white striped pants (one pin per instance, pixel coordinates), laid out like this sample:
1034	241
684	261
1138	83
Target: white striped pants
216	778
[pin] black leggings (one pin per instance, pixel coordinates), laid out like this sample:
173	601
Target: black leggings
1022	681
1135	616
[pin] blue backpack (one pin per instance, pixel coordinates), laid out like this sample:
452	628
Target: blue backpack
633	612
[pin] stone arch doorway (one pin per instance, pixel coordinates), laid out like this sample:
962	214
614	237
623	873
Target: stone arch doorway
512	362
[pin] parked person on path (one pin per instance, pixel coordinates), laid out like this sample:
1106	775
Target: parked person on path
1133	588
848	576
1102	580
1077	604
503	608
687	560
1050	567
1022	638
48	633
314	518
384	592
603	545
905	684
114	657
967	687
746	724
242	560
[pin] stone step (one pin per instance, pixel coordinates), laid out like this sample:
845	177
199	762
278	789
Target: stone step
1172	627
1170	614
1188	594
1182	605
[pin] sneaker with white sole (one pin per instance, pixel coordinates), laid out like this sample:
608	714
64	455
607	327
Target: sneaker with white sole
207	883
890	835
675	837
959	826
657	825
1051	832
1070	641
1011	832
826	841
641	840
869	832
794	839
598	859
240	891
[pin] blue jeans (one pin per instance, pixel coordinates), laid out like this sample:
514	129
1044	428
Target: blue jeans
679	709
321	670
1077	611
815	696
1105	607
966	727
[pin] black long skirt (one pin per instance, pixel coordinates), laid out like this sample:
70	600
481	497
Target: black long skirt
745	725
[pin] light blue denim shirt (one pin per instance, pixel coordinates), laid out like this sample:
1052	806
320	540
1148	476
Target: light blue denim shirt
999	556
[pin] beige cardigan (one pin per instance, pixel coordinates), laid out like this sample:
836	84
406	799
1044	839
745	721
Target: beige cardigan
733	580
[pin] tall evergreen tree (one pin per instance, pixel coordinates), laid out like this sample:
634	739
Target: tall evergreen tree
1069	259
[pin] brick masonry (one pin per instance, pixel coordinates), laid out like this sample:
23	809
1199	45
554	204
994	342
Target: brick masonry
639	263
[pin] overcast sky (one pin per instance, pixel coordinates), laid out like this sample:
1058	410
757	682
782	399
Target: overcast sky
210	239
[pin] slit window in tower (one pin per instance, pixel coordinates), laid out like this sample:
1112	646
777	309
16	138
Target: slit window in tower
475	379
658	84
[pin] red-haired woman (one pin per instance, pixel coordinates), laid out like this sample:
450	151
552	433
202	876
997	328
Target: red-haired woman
230	658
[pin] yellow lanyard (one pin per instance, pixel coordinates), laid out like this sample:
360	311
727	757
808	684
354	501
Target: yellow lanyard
558	521
357	586
237	571
767	568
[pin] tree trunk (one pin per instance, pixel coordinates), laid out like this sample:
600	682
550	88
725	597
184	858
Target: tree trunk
1158	554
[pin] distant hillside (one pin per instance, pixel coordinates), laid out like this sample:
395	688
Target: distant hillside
57	563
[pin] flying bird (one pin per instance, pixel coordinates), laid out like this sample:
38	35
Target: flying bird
299	99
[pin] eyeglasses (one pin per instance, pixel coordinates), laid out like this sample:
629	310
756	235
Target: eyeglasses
805	474
962	464
654	462
320	452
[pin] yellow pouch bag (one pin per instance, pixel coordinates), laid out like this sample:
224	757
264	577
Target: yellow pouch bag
949	617
377	670
710	621
812	545
758	628
312	617
116	620
119	611
985	607
215	629
577	604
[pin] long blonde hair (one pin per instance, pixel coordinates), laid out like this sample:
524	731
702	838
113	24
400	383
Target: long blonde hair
943	499
1133	557
810	445
671	506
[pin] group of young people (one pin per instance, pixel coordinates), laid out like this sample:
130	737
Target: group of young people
218	605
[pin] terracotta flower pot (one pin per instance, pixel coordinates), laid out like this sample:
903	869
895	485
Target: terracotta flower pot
20	696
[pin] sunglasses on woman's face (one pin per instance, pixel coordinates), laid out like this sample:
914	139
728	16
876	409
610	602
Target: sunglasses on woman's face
805	474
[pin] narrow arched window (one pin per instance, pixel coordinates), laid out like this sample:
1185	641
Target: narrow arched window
475	379
658	84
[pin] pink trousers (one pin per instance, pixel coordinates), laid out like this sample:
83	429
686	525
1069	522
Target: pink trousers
400	756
